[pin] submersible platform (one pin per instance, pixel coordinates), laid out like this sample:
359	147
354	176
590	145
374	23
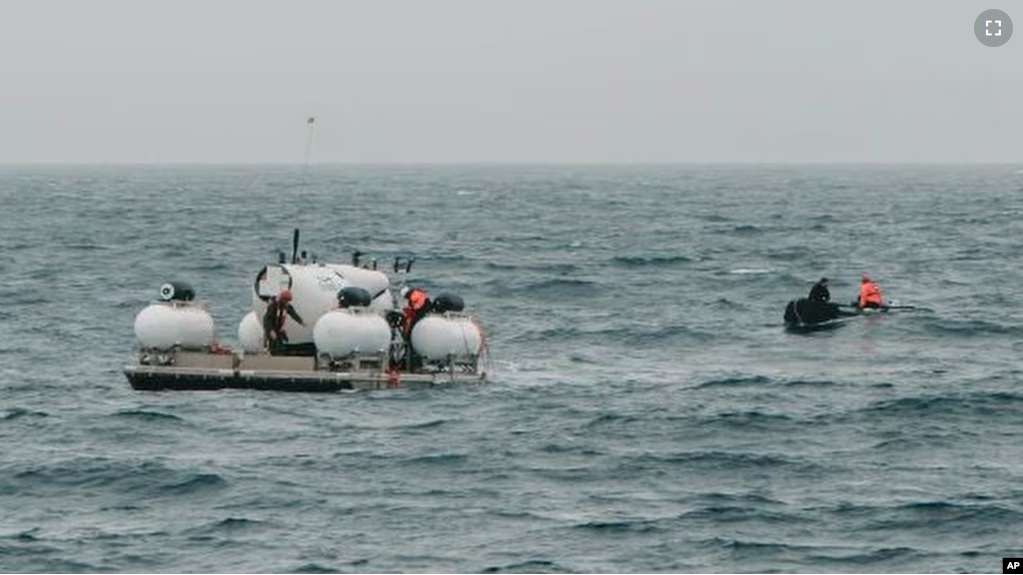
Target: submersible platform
348	332
206	370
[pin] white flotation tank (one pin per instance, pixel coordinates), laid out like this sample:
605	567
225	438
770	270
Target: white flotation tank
438	336
165	324
341	332
314	290
250	333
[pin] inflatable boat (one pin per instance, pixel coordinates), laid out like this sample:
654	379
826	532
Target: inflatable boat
807	315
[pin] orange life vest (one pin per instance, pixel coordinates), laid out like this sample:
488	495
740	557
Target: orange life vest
416	301
870	295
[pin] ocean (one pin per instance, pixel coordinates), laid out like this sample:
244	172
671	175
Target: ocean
648	410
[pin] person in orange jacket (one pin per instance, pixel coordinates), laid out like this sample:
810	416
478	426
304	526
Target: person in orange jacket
418	306
870	294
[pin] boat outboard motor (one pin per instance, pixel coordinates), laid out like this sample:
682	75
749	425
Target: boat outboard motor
176	291
353	296
791	315
446	302
805	311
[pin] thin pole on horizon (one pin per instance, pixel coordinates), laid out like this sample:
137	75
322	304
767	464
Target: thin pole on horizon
310	138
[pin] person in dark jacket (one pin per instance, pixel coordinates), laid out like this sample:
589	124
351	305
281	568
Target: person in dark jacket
277	310
819	291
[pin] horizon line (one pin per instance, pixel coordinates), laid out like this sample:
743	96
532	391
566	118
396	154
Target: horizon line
625	163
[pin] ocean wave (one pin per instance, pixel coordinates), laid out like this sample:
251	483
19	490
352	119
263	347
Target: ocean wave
980	404
319	568
572	448
31	534
632	336
744	514
26	298
736	380
763	553
644	526
41	559
714	459
544	292
745	420
744	230
925	517
516	239
84	247
951	327
12	413
653	261
742	499
790	253
145	479
229	526
847	559
801	382
531	267
438	459
562	288
423	424
202	269
528	566
612	419
147	415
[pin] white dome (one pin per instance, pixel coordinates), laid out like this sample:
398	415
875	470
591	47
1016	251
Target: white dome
250	333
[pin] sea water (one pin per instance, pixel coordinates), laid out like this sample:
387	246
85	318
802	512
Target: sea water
648	410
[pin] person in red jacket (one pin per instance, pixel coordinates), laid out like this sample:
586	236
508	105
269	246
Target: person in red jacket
277	310
870	294
418	305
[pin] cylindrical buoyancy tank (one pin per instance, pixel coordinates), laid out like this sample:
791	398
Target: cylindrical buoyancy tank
436	337
341	332
250	333
163	325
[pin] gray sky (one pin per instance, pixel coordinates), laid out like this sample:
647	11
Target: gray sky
507	81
